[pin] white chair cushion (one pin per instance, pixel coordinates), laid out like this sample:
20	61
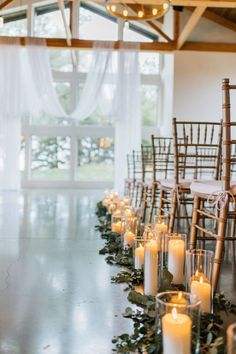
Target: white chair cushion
210	187
170	183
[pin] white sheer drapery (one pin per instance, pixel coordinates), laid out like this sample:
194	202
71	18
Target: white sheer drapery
112	86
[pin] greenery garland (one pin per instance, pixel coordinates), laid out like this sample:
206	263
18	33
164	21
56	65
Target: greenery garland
145	336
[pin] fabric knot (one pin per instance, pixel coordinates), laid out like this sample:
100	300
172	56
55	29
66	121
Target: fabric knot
219	199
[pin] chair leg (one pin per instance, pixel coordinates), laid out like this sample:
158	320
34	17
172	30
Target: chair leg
219	246
160	206
173	212
143	204
152	204
195	218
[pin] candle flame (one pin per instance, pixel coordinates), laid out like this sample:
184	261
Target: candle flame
174	313
140	245
196	273
201	279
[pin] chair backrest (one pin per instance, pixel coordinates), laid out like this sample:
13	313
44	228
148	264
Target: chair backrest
197	149
130	166
229	132
137	163
162	152
147	166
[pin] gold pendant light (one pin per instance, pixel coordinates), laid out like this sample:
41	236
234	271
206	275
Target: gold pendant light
134	12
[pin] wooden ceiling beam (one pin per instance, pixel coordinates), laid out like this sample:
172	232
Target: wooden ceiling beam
176	25
195	3
190	25
210	47
156	28
5	3
220	20
144	46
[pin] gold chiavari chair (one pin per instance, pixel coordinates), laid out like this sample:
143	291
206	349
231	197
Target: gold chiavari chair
162	161
219	194
137	177
146	180
190	162
130	180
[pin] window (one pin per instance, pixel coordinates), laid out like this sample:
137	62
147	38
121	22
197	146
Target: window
95	159
14	26
149	104
50	24
64	150
94	26
50	158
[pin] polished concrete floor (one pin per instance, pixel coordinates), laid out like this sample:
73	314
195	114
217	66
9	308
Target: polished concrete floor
55	290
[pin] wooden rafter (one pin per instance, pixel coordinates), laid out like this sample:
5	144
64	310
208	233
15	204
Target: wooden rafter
156	28
176	25
5	3
195	3
190	25
220	20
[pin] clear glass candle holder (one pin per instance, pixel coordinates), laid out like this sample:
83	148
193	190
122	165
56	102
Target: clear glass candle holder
178	322
199	266
173	255
150	267
160	229
231	339
130	231
138	252
117	225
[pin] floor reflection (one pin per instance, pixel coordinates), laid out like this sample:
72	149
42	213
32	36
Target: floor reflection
55	290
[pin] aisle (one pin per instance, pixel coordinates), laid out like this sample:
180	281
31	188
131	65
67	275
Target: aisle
55	290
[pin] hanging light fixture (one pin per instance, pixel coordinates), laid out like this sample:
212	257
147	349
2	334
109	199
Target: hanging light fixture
137	12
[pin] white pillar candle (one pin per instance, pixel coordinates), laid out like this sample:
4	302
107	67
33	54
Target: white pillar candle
129	239
176	333
139	257
203	290
160	231
176	259
150	268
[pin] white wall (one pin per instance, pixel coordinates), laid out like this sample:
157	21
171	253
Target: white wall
197	84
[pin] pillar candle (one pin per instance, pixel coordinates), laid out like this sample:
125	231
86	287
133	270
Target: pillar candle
176	333
203	290
150	268
129	238
116	227
176	259
160	230
139	257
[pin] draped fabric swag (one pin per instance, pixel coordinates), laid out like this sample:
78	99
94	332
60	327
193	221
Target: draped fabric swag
112	87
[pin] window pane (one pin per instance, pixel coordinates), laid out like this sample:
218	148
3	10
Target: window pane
14	28
149	63
93	26
149	105
50	158
133	36
50	24
60	59
95	159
